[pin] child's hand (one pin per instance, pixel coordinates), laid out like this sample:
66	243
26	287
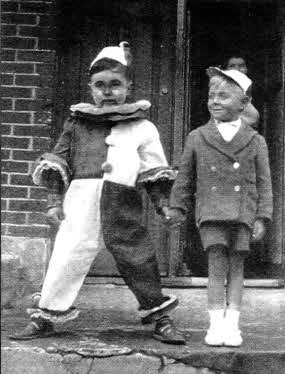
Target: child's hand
55	215
173	216
258	230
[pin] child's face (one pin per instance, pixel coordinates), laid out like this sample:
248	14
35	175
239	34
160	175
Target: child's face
237	63
225	101
109	88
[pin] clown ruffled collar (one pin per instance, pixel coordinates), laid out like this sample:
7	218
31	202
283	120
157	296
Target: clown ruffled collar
114	113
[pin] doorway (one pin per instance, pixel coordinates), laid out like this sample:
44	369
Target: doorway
216	31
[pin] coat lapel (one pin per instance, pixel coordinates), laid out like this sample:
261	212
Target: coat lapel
214	139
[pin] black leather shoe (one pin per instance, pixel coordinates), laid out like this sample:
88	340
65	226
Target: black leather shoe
35	330
166	332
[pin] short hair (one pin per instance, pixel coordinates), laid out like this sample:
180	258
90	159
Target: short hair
108	64
233	55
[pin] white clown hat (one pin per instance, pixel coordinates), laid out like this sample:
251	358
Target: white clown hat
117	53
239	78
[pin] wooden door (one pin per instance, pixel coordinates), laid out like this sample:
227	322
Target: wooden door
85	27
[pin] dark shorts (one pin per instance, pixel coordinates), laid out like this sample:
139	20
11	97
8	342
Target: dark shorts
235	236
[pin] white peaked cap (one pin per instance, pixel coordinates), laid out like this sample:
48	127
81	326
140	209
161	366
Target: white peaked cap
116	53
239	78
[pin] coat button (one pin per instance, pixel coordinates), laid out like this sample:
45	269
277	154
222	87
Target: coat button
237	188
107	167
214	188
236	165
213	168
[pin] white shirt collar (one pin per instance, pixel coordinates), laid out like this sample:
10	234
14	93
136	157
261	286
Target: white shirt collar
236	123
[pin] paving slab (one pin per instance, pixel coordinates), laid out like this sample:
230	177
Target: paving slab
109	338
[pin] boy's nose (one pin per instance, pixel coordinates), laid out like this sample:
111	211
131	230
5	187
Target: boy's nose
215	99
107	91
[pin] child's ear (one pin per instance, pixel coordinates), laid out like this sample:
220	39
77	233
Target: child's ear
245	100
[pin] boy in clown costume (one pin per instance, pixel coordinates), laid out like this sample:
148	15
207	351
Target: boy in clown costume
104	151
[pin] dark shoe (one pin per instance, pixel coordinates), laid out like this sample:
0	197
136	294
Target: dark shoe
35	330
166	332
155	313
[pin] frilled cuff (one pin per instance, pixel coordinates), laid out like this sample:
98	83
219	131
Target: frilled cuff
49	161
162	173
53	316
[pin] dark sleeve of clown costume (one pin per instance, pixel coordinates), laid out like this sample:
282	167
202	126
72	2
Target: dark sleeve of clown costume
52	170
155	174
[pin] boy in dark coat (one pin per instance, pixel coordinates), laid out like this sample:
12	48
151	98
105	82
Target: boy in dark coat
103	152
225	164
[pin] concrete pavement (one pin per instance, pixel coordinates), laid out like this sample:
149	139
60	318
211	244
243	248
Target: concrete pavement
108	338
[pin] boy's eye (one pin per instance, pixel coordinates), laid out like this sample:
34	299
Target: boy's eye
99	84
116	83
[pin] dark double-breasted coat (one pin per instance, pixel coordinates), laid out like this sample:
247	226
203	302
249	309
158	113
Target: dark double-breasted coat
231	180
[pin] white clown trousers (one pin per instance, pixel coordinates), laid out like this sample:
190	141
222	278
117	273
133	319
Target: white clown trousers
77	244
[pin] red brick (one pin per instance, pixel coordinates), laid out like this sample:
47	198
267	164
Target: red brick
4	177
7	79
15	166
37	31
41	143
8	29
35	55
21	180
6	104
27	205
5	154
37	7
25	155
27	80
29	104
4	204
38	193
34	130
44	93
17	18
16	92
14	192
12	142
37	218
9	6
14	218
18	42
47	44
15	117
3	229
6	129
8	55
17	67
28	231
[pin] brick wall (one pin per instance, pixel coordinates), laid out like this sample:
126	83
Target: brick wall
28	66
